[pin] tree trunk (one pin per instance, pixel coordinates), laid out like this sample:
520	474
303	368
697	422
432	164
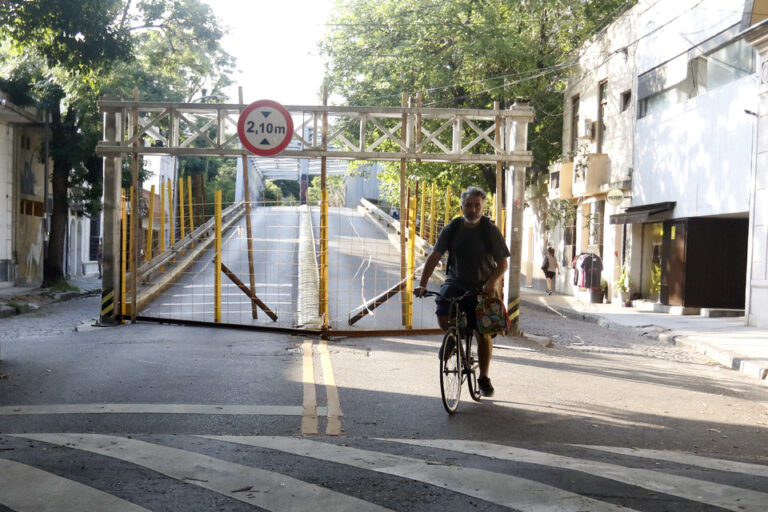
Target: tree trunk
53	269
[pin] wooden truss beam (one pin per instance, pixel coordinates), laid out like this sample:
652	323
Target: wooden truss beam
356	133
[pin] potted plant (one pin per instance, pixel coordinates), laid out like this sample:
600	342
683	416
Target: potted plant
622	286
655	281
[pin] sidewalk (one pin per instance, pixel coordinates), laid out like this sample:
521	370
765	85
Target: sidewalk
16	299
725	340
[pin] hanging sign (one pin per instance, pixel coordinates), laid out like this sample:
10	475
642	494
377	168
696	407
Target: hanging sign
615	196
265	127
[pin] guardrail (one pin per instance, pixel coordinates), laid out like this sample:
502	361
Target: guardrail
156	275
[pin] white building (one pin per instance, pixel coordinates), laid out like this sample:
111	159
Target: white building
661	107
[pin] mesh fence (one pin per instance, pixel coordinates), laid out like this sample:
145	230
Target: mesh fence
361	271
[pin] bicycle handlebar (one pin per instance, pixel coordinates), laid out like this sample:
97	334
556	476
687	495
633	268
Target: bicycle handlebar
468	293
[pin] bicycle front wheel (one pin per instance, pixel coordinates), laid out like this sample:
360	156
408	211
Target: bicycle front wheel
450	370
471	367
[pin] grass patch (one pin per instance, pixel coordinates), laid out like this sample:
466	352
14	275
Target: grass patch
20	307
61	287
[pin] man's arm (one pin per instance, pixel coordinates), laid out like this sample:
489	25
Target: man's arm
429	266
490	285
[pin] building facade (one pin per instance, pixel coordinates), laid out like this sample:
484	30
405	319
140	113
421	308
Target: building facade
659	142
22	192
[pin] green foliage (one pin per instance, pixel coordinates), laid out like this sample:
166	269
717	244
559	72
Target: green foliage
560	212
289	189
272	193
63	56
623	284
336	190
655	278
224	180
463	54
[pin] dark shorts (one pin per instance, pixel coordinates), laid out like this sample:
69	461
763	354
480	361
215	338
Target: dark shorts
549	275
468	304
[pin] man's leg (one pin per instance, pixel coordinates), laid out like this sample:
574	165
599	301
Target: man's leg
484	352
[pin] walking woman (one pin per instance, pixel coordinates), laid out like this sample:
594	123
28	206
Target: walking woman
550	268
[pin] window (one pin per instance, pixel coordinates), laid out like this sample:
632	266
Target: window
602	99
597	215
554	180
707	72
569	241
574	123
626	100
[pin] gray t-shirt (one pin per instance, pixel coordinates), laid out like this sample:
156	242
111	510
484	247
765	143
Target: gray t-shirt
471	263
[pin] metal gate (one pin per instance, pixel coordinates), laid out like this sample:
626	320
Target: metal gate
311	268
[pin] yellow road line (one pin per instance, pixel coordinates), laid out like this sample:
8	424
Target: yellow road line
333	428
309	415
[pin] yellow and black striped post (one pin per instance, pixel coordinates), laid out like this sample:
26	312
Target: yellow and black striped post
107	302
513	310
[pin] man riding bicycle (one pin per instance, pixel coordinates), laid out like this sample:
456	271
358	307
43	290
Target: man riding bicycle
477	258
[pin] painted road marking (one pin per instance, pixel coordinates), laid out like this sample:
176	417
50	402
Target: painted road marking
265	489
24	488
687	459
237	410
510	491
309	415
725	496
333	428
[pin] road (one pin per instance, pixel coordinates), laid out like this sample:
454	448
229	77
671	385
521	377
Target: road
158	417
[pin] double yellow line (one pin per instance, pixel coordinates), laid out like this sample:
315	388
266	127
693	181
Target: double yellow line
309	419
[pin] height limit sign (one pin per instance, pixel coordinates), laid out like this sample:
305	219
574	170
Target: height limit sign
265	127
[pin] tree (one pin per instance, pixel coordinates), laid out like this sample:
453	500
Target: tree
71	56
335	186
463	54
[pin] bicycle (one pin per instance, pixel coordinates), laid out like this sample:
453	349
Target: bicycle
459	360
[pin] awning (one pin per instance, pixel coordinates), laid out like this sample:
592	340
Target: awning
633	214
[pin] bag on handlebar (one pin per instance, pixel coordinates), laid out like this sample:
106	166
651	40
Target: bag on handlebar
492	317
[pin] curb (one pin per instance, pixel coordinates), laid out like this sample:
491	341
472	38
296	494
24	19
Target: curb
9	311
755	368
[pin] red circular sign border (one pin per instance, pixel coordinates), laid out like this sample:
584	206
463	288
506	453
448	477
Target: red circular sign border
241	127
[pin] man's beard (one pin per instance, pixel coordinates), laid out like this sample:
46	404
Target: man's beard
470	221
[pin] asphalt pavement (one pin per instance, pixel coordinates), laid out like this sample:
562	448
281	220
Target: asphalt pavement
726	340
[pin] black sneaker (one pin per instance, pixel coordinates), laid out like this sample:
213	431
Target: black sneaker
451	350
486	389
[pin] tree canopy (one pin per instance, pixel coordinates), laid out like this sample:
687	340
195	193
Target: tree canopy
63	56
463	54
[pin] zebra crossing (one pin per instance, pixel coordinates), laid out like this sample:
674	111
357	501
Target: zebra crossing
87	471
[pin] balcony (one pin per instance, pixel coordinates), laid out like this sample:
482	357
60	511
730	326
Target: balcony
560	180
591	173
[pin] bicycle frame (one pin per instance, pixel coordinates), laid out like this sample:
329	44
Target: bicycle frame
464	368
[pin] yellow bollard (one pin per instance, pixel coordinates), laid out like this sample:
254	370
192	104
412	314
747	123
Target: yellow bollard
423	208
189	202
447	217
217	278
493	211
181	207
162	221
171	224
131	237
324	306
148	252
410	269
503	227
432	210
123	248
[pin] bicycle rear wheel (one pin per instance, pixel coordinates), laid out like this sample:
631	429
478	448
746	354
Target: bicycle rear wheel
471	366
450	370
